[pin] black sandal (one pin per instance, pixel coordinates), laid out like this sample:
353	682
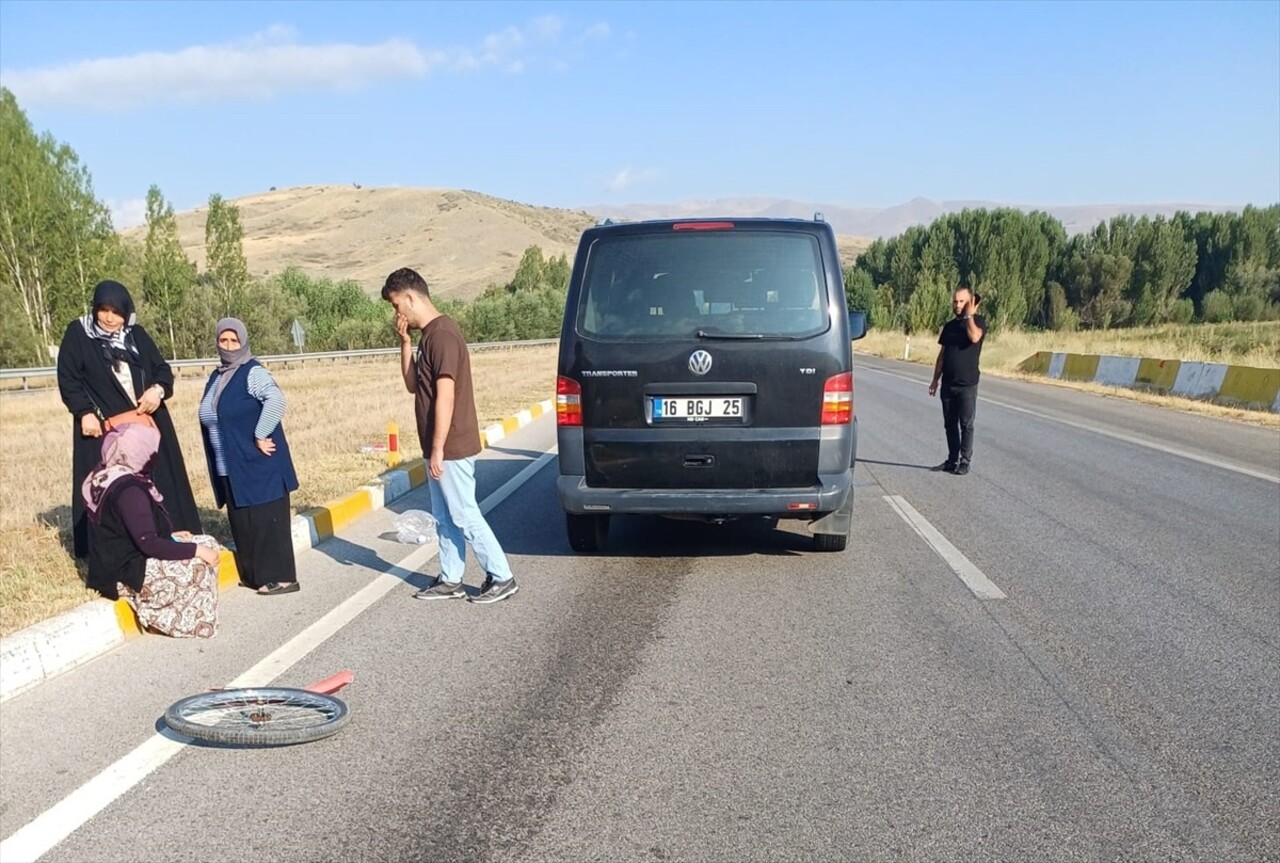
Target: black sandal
276	587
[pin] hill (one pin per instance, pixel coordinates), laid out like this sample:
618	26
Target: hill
460	241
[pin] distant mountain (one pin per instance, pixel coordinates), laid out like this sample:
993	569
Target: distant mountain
888	221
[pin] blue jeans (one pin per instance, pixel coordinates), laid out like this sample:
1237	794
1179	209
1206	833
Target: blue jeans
459	520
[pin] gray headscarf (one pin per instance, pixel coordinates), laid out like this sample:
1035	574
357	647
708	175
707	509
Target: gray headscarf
231	360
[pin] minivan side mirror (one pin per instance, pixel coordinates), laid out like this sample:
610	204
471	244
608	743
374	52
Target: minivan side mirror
857	325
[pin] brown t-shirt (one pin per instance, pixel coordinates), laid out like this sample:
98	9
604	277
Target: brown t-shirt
442	353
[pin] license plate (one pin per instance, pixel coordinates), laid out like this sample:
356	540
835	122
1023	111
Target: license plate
694	409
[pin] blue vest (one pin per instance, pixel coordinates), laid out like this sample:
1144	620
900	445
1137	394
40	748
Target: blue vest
255	478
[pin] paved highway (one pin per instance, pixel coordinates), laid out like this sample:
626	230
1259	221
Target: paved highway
1072	653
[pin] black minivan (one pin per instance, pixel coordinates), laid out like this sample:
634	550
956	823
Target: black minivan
706	371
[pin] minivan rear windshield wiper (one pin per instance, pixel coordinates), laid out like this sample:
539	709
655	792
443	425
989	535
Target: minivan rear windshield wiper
704	334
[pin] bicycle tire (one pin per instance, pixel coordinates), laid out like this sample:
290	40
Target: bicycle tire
266	716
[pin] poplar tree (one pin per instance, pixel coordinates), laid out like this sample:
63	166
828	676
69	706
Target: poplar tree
224	246
167	273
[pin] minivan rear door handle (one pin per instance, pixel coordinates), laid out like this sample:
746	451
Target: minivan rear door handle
699	461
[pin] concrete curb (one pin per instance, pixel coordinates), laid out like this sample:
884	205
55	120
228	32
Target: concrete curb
1238	386
46	649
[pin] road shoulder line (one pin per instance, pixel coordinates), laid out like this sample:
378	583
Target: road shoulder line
981	586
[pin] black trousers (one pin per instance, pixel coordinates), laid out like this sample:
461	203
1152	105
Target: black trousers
264	539
959	404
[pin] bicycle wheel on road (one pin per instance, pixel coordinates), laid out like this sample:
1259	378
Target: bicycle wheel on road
269	716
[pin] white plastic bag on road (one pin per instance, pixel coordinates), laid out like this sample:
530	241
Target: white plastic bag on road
413	526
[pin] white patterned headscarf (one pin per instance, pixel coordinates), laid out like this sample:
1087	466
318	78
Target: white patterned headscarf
118	346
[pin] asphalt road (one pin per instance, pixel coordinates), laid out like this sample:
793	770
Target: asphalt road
722	693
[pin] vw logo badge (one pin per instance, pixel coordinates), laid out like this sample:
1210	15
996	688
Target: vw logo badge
700	362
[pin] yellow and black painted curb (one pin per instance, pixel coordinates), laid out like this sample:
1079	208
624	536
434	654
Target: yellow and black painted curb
1238	386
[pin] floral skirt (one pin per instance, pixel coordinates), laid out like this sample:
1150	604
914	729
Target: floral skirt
178	597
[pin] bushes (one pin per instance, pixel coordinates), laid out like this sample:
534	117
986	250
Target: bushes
1217	307
1182	311
1248	307
530	306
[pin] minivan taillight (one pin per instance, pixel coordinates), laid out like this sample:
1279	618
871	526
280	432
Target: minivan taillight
568	402
837	399
702	226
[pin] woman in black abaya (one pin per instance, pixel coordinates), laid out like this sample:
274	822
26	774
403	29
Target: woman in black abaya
108	365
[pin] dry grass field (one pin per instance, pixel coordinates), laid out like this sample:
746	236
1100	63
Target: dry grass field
333	411
1252	344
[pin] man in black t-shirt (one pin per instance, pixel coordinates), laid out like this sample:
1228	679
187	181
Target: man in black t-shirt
957	368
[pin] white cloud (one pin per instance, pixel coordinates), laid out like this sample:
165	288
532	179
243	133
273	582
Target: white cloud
508	48
268	64
547	27
261	67
126	214
599	30
628	177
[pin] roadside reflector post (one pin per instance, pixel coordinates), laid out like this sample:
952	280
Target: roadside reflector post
393	444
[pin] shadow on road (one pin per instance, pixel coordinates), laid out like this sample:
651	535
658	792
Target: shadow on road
895	464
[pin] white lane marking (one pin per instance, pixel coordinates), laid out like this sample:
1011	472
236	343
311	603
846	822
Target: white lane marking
508	488
57	823
35	839
1168	450
982	587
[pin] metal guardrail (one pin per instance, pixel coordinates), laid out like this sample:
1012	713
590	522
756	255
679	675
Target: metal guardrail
26	375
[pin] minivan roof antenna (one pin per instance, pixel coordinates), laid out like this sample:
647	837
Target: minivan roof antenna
817	217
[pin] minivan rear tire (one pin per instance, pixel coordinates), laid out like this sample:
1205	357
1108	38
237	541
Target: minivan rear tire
587	533
830	541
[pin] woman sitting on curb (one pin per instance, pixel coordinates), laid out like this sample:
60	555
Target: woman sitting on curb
170	579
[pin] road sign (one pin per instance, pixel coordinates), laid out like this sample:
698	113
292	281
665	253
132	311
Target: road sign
299	335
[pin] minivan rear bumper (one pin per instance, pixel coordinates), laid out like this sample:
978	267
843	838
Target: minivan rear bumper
832	493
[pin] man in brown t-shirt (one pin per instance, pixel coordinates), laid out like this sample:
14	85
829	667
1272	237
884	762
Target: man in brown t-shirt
445	407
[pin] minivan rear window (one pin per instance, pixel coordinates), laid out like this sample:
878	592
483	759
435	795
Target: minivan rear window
726	284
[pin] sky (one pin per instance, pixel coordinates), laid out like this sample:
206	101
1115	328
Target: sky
596	103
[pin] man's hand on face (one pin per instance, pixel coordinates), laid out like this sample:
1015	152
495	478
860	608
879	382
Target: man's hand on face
402	328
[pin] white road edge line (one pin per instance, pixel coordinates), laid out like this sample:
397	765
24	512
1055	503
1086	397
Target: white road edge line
981	586
31	842
1168	450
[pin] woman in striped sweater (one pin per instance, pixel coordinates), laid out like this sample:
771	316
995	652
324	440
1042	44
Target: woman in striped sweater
249	462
